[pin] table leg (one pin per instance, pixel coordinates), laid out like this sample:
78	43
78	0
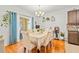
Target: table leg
24	49
38	51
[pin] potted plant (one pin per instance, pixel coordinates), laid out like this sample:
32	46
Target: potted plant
61	35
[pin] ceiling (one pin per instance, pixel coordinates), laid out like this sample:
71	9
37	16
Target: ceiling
46	8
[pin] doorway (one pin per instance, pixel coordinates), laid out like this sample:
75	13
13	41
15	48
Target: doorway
24	24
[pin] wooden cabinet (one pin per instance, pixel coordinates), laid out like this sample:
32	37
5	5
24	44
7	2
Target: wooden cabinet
77	17
72	17
73	32
73	37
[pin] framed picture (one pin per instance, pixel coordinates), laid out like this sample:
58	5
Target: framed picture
47	18
43	19
52	18
37	26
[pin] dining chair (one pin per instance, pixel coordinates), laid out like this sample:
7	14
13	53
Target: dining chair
42	49
46	40
33	41
48	48
26	42
24	35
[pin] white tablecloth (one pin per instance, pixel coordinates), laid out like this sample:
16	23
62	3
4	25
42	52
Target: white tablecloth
37	38
40	38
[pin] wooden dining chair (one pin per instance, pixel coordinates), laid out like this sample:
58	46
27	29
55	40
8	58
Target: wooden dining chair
42	49
34	50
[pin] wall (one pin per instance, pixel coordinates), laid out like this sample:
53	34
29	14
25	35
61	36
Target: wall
4	30
60	19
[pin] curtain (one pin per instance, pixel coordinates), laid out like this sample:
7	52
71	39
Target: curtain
32	23
12	28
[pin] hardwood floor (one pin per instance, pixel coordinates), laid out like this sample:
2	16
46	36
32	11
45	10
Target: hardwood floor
58	46
13	48
52	47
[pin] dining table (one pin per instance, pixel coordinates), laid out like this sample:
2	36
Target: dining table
36	39
40	38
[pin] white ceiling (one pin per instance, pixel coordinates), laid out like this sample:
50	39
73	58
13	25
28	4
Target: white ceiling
46	8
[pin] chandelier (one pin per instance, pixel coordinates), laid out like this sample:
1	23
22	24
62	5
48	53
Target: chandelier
39	12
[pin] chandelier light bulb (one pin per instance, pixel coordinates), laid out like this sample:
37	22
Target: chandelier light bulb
39	12
42	13
36	13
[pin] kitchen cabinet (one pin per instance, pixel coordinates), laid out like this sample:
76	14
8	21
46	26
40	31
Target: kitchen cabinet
73	27
73	37
72	17
77	17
